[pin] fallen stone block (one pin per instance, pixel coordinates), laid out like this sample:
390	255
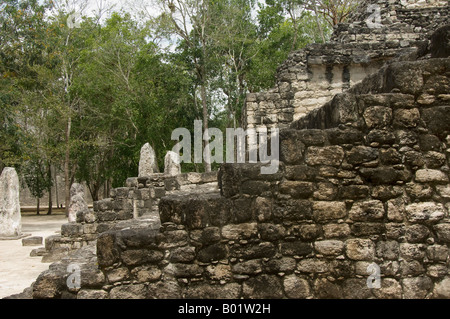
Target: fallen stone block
32	241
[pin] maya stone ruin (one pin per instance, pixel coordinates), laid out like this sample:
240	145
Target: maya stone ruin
363	187
10	218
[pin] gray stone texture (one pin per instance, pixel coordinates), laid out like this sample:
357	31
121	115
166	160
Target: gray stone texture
147	163
10	218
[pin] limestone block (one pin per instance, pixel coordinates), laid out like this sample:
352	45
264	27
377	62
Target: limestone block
78	203
296	288
431	175
324	210
360	249
32	241
427	211
147	162
10	218
172	165
327	155
329	247
372	210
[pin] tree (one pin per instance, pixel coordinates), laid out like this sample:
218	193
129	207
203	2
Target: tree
333	11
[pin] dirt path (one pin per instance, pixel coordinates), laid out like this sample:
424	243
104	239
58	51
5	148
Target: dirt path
17	269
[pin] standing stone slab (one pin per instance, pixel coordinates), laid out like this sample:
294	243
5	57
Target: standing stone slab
147	161
77	202
10	218
172	165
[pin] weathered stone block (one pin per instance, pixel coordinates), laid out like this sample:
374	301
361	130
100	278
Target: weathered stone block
431	175
329	247
386	192
361	154
437	252
425	212
419	191
327	155
355	288
132	257
412	251
443	191
396	210
383	137
406	118
239	231
263	209
293	210
372	210
388	250
390	289
416	287
325	211
284	265
295	248
377	116
437	119
353	192
206	291
182	254
336	230
71	230
443	232
442	289
296	189
360	249
313	266
325	191
212	252
291	147
312	137
271	232
325	289
380	175
184	270
416	233
434	159
249	267
296	288
218	272
437	271
32	241
410	268
137	291
147	273
367	229
338	136
390	156
301	173
263	287
255	187
92	294
209	235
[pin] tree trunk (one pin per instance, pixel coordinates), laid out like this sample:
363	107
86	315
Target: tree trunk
67	178
38	206
56	187
207	153
317	21
50	199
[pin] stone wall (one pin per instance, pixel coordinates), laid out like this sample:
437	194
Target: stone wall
363	181
312	76
370	186
135	205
